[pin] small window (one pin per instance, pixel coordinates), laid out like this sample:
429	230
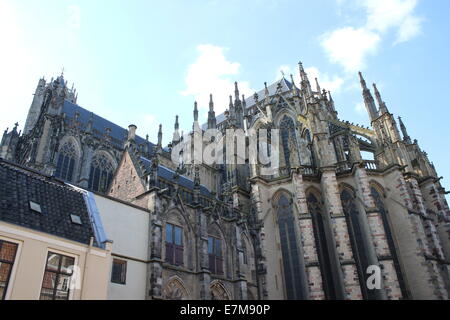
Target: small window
7	256
57	277
119	271
75	219
35	207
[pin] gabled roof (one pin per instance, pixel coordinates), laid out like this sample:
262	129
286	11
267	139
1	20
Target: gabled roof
119	135
57	202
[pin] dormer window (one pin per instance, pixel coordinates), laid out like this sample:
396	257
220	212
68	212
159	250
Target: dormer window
75	219
35	207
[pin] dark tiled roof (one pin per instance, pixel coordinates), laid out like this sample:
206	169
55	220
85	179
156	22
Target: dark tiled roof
168	174
19	186
99	124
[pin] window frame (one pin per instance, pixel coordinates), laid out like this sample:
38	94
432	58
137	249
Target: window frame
174	247
123	273
215	259
73	276
12	271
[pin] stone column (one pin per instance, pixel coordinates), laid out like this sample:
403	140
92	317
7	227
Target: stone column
155	248
308	241
203	258
377	238
433	248
409	236
239	265
261	262
438	212
85	166
346	270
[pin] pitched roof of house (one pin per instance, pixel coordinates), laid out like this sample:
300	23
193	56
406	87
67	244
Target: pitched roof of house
21	189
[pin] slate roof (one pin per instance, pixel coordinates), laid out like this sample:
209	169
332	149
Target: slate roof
19	186
250	101
168	174
118	134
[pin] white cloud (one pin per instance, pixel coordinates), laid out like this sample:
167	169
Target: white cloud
383	15
74	21
360	108
213	74
15	66
73	25
351	46
330	83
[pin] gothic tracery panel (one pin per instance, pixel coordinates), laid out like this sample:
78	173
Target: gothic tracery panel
66	161
218	292
174	290
101	173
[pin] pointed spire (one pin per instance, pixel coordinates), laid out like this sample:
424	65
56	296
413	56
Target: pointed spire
211	103
318	86
266	90
236	92
362	81
305	85
211	114
406	137
176	134
195	111
381	103
160	137
195	125
368	99
177	125
331	101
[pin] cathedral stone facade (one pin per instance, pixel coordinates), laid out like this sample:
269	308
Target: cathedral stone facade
345	204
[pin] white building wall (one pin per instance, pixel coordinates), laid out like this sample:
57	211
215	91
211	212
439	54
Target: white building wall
128	228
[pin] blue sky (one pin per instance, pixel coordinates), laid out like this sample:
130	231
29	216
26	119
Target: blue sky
143	62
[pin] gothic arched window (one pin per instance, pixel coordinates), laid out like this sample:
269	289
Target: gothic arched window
360	253
316	211
66	161
101	173
288	139
379	203
289	247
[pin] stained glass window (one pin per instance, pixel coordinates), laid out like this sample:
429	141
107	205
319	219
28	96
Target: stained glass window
360	252
290	251
174	244
316	211
101	173
215	255
381	208
288	137
66	162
